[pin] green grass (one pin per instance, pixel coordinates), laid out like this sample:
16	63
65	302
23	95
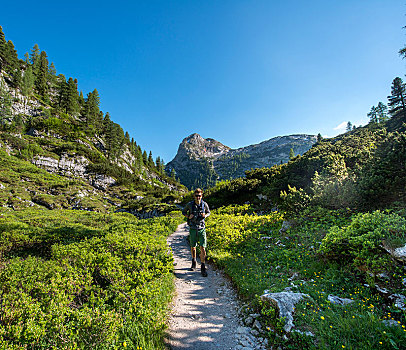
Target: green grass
257	257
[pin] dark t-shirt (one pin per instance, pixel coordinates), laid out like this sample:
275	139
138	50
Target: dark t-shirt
197	222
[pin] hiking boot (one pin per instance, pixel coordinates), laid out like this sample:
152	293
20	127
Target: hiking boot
203	270
193	265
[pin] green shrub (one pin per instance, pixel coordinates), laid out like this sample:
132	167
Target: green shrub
80	280
361	241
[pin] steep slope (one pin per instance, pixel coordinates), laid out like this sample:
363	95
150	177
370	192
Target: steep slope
201	162
46	123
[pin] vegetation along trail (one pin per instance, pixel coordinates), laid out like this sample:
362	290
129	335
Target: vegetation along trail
205	308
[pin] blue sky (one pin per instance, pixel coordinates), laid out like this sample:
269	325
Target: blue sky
237	71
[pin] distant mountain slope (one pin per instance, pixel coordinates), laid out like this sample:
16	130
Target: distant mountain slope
201	162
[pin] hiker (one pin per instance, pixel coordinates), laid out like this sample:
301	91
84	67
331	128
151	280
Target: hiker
195	212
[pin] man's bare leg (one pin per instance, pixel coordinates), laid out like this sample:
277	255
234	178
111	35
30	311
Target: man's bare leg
202	255
202	260
193	251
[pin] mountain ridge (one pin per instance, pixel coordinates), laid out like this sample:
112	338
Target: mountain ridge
201	162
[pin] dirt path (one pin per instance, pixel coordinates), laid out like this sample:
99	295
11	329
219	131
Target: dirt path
204	313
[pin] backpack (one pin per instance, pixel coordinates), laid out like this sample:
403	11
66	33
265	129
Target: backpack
193	206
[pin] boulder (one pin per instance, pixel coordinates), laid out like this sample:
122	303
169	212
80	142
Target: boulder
339	301
399	301
285	302
397	253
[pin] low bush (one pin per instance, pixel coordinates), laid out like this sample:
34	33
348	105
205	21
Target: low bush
361	241
79	280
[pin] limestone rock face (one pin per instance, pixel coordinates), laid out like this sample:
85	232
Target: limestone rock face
200	162
75	166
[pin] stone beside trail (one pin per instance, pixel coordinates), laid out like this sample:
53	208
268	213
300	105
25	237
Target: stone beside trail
204	311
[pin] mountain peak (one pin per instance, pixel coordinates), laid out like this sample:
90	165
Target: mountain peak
201	162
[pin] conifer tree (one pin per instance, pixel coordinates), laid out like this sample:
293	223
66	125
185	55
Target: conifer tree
5	103
291	154
27	82
10	57
2	48
81	99
158	163
349	126
62	92
173	174
106	122
319	137
91	110
145	158
52	73
397	98
17	78
382	111
34	57
41	82
27	58
72	104
150	160
373	115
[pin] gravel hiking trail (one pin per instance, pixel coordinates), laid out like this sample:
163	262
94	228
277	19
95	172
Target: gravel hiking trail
204	310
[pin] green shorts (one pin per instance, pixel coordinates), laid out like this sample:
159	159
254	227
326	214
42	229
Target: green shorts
197	236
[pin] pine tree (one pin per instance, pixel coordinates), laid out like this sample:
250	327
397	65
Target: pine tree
173	174
27	58
17	78
52	73
81	100
158	163
291	154
34	57
72	104
382	111
397	98
41	82
5	103
106	122
145	158
2	48
349	126
319	137
150	161
27	82
373	115
62	91
91	110
10	57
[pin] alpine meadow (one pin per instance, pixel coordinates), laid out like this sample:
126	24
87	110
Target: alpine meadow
85	213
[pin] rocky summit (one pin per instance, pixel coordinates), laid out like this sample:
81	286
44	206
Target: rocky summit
201	162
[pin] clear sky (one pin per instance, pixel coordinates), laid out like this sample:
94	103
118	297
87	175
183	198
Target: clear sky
240	72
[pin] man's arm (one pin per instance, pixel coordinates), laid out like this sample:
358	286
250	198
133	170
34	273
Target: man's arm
186	211
206	210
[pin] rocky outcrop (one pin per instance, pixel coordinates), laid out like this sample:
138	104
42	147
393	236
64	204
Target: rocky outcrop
285	303
201	162
73	166
397	253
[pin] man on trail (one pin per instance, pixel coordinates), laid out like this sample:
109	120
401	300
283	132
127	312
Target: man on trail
195	212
